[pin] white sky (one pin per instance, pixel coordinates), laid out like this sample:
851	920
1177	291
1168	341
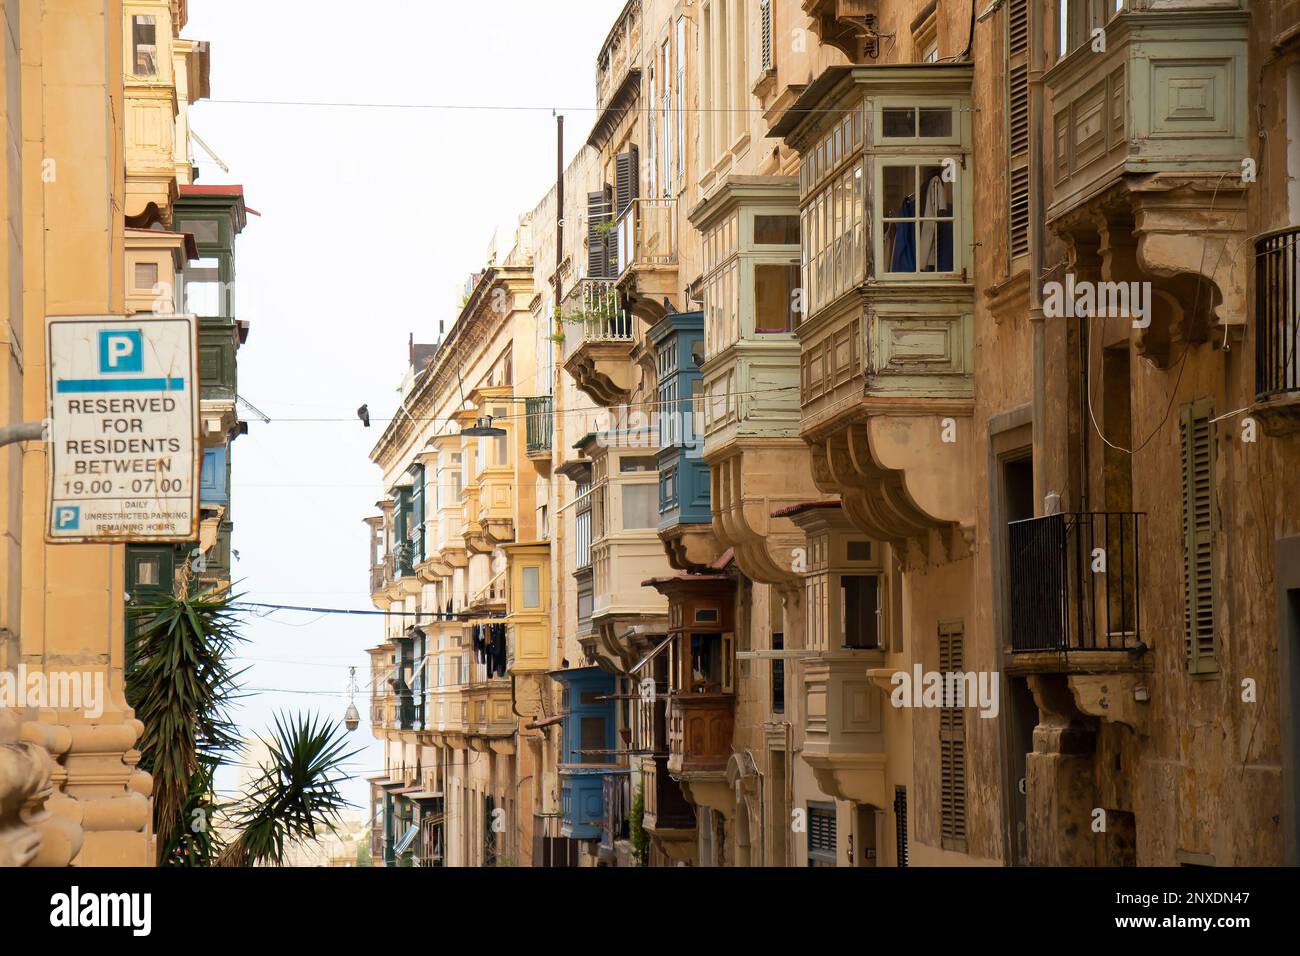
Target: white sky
371	221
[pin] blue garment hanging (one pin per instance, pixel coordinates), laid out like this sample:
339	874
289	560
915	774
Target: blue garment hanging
904	256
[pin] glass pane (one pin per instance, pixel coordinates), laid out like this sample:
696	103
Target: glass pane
899	122
640	509
936	122
774	289
776	230
532	581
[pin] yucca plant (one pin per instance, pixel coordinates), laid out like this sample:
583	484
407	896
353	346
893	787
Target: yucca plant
180	684
297	795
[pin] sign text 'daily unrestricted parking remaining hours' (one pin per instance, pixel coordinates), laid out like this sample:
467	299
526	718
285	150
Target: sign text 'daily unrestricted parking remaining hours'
123	428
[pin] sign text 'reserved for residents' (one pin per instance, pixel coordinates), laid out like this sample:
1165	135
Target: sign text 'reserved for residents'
123	430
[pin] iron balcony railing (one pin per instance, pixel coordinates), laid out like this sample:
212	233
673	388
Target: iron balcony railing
540	424
647	234
1277	312
593	312
1075	582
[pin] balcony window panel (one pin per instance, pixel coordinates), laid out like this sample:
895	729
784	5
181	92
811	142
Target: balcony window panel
640	509
203	288
859	610
706	665
144	45
773	230
532	587
917	219
774	297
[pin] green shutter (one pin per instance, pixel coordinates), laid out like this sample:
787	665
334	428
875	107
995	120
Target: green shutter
1196	436
952	743
1017	67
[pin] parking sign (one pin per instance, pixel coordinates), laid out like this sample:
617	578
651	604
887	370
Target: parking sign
123	435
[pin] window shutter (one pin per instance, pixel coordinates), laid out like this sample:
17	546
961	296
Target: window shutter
600	238
728	662
900	824
821	833
1197	441
952	743
626	181
1018	127
765	18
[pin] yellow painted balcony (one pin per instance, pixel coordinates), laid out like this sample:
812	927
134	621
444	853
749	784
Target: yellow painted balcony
490	597
528	607
488	711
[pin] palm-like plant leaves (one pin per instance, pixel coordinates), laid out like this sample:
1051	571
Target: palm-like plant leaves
180	684
296	795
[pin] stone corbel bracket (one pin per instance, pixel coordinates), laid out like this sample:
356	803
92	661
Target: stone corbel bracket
1112	697
902	483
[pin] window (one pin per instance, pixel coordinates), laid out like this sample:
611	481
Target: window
775	303
925	36
771	230
1077	19
918	219
706	663
632	464
593	739
582	526
679	88
952	744
665	107
832	213
1196	436
860	610
640	506
821	834
203	288
144	45
146	276
532	587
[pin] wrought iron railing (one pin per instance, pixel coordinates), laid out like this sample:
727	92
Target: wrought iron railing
540	424
1277	312
1075	582
594	312
647	233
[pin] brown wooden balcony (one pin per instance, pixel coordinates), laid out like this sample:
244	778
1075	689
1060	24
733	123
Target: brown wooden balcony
667	812
699	733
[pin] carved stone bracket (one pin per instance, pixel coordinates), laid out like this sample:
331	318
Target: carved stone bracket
887	470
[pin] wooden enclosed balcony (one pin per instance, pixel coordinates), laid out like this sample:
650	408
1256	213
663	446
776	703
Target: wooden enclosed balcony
845	741
1167	94
699	733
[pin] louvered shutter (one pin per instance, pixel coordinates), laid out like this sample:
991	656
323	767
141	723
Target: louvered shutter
1018	128
952	743
765	19
600	236
626	180
900	825
821	834
1197	441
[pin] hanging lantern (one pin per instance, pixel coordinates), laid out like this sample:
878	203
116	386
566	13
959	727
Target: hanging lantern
352	716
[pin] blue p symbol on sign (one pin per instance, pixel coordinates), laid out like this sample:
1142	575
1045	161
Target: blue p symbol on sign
67	517
121	350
